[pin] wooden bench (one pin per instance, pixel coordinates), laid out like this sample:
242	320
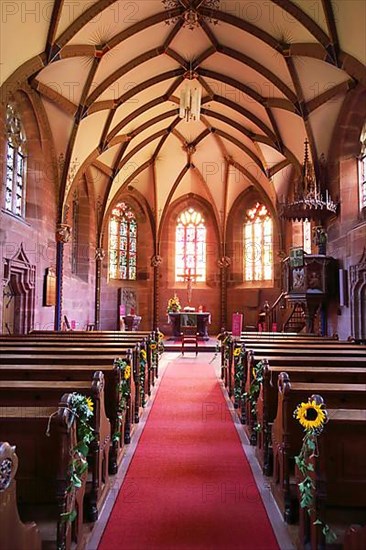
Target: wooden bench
26	343
339	477
43	393
287	433
43	476
308	358
266	407
228	345
13	532
240	383
121	421
98	357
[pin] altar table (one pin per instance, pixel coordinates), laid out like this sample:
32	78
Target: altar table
188	318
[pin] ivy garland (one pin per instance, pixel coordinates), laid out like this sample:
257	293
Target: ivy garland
81	407
124	392
239	354
157	348
312	416
142	371
253	393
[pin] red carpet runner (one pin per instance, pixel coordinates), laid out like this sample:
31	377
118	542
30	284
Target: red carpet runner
189	485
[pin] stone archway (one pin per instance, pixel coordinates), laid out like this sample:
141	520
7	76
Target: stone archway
358	298
18	293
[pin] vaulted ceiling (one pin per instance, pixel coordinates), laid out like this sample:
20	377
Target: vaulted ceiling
109	73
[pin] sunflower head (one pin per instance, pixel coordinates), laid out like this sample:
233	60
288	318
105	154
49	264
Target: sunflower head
236	352
127	372
312	415
153	345
89	404
143	354
161	336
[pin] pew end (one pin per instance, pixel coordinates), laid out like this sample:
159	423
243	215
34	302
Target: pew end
13	532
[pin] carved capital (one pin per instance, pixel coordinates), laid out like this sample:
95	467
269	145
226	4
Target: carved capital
224	262
63	233
99	254
156	260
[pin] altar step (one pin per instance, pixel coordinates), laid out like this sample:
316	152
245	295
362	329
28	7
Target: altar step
203	345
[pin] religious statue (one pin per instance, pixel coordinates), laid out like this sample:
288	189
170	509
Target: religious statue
189	278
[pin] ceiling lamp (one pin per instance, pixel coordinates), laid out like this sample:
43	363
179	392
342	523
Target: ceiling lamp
190	14
309	202
190	101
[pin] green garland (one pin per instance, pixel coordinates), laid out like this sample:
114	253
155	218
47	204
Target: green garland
312	416
82	408
124	392
142	371
238	354
157	348
253	393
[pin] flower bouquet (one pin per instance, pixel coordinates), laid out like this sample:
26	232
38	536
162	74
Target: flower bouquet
174	304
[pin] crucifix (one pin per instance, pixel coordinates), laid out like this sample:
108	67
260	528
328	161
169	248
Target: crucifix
189	278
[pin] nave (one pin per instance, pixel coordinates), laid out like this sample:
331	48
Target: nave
192	480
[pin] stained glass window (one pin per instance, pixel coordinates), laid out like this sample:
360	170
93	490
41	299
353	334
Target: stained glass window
15	163
257	251
190	246
122	243
362	178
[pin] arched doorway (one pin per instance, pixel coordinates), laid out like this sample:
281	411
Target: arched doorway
18	294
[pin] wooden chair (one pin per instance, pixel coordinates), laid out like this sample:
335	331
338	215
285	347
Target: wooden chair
189	336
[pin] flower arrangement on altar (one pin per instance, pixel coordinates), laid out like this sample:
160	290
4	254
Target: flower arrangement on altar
174	304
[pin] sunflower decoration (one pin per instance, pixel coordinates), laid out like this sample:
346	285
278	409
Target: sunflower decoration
89	403
161	336
127	372
236	352
312	415
143	355
153	346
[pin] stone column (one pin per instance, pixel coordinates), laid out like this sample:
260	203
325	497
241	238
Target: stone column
99	256
63	233
224	263
156	261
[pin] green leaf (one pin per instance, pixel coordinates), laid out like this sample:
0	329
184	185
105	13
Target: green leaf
83	448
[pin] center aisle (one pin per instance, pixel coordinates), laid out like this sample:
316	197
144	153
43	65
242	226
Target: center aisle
189	485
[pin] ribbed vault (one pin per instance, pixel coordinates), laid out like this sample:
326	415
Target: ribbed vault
108	74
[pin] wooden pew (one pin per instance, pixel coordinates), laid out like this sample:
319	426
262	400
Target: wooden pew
287	433
294	342
266	407
355	537
121	421
13	532
43	475
98	357
27	393
307	358
339	477
77	342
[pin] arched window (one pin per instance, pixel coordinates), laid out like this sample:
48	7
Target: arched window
122	243
15	163
190	246
257	251
362	179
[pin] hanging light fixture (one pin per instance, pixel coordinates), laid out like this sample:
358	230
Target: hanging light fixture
190	12
190	101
